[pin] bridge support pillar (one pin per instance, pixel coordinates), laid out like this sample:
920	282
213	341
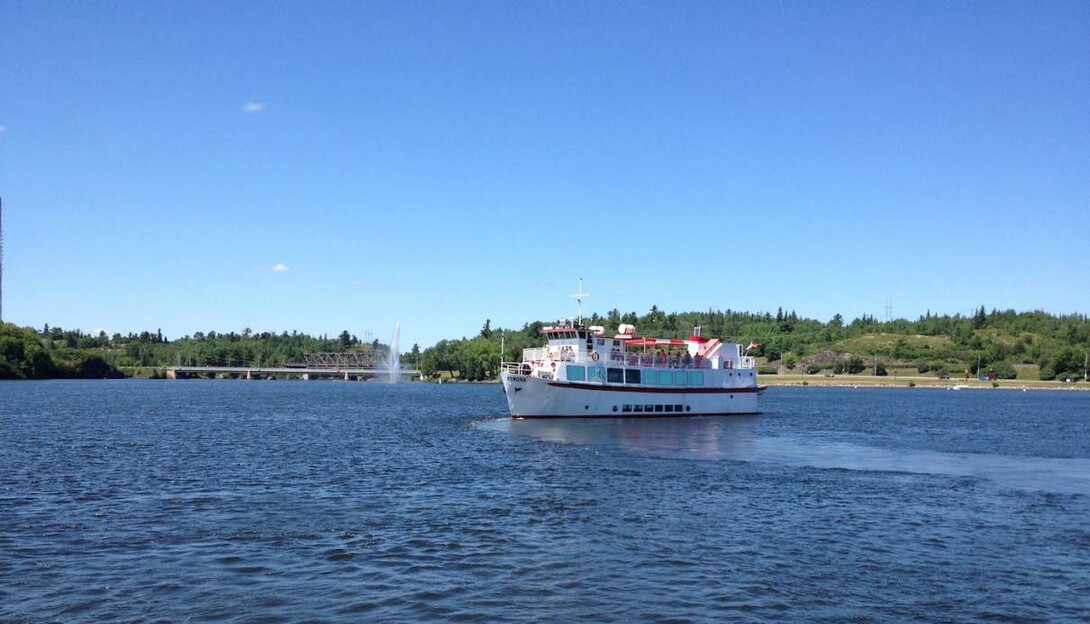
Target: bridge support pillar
249	375
346	375
306	376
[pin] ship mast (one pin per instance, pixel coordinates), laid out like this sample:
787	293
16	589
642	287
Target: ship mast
580	296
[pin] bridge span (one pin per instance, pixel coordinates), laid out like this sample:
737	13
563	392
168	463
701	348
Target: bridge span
277	372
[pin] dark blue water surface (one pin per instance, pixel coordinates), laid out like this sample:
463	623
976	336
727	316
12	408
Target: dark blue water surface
333	501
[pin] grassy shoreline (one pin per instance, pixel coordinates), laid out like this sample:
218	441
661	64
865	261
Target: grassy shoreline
871	381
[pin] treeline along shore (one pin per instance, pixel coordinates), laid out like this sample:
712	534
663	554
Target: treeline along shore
997	345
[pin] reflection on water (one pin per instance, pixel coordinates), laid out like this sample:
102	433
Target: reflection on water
735	438
692	438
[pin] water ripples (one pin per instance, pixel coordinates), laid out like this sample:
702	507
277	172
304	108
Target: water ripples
238	502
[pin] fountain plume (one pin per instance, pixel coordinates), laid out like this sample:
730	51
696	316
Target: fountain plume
393	357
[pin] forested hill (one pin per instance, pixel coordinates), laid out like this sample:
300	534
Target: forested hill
1011	344
1028	345
27	353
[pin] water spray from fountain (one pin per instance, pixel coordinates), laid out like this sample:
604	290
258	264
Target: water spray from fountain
393	358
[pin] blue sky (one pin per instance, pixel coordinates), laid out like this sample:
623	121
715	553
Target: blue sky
320	166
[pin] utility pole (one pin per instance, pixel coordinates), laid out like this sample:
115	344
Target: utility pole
1	260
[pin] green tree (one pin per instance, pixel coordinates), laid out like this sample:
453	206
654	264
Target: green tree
855	365
1067	362
1003	370
613	319
479	359
415	354
438	358
980	319
40	365
900	348
95	367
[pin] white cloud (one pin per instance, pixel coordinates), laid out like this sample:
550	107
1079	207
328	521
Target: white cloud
250	106
3	128
276	268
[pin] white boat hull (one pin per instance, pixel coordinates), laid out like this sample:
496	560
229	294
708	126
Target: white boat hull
535	397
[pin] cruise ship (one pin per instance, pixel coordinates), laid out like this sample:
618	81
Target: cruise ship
585	372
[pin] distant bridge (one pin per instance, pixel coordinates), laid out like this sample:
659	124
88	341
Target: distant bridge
351	359
275	372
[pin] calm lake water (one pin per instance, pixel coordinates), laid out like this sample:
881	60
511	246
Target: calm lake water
331	501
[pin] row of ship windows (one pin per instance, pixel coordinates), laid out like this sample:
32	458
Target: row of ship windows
644	409
643	376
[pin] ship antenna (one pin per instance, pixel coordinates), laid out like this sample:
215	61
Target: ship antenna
580	296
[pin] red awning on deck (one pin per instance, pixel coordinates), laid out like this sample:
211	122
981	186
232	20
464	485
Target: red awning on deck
654	342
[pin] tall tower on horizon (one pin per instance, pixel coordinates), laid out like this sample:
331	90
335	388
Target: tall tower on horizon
1	259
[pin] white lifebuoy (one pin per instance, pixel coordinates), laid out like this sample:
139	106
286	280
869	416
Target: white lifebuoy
594	356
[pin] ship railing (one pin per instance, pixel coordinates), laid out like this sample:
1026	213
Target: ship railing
533	355
650	360
627	359
515	368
